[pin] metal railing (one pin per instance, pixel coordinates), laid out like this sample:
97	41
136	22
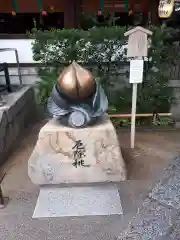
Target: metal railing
17	60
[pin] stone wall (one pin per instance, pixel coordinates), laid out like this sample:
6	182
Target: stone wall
15	116
29	76
175	107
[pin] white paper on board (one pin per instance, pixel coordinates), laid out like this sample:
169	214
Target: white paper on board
136	71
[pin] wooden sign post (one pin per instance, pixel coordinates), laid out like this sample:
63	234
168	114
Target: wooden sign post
137	49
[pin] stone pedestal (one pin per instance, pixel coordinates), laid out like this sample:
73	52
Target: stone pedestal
66	155
76	157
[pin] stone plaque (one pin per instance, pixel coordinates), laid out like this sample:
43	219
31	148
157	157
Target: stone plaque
67	155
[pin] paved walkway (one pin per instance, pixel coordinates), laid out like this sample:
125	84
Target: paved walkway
159	215
153	153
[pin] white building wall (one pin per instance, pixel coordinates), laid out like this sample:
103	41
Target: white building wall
24	48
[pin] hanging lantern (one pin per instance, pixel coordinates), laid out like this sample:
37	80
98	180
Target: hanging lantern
165	8
126	6
13	13
99	13
15	7
44	13
130	12
40	5
102	6
52	8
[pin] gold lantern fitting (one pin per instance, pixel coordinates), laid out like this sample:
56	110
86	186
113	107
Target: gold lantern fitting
77	82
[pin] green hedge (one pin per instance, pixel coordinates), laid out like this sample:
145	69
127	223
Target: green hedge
99	50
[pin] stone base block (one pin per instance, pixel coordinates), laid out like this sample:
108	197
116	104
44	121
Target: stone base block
66	155
78	201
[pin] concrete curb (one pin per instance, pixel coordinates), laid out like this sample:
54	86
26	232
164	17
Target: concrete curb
15	115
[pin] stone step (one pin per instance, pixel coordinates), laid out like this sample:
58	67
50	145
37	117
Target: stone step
54	201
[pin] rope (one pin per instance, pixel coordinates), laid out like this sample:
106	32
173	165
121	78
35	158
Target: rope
15	5
41	5
102	5
126	6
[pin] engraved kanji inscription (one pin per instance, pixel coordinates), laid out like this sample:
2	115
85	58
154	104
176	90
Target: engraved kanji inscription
79	153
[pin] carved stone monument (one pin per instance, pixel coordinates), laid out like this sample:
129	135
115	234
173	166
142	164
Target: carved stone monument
78	146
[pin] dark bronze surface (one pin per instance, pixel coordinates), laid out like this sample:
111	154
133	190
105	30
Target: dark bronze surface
77	82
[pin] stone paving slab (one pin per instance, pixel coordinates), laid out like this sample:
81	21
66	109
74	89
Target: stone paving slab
54	201
167	191
152	220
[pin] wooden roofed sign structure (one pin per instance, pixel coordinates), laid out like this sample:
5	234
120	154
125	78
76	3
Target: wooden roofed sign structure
137	49
137	42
